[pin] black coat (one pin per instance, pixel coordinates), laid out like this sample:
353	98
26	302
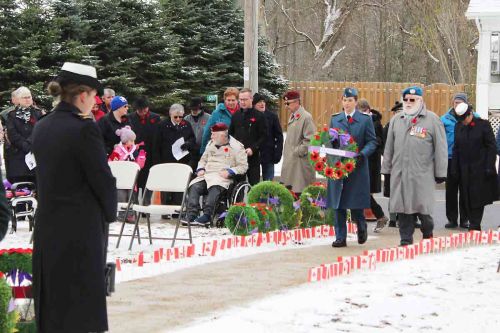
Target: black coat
145	131
76	200
166	135
249	127
374	161
108	126
473	162
4	211
272	147
18	142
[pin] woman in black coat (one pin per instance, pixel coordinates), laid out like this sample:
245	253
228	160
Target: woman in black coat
374	163
76	201
473	163
168	132
20	124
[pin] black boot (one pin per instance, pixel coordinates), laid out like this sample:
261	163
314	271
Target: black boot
451	225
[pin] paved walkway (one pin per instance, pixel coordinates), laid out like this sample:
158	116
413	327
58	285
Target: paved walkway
164	302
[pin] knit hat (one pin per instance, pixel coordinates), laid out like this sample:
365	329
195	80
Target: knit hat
195	102
219	127
117	102
415	90
126	134
257	98
460	96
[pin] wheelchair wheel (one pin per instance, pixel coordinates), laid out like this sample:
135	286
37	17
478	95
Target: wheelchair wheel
240	193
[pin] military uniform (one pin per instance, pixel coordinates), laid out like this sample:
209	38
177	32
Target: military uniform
76	201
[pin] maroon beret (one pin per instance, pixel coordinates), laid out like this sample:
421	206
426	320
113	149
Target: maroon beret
291	94
219	127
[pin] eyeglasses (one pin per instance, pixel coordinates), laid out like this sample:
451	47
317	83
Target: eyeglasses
411	100
290	102
178	117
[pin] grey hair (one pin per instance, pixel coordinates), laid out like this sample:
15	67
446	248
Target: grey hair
22	91
174	108
109	91
363	104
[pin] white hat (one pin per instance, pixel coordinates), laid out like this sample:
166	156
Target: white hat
78	73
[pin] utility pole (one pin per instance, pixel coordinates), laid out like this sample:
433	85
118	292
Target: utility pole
250	61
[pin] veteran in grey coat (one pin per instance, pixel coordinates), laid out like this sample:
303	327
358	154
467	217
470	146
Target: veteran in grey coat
352	192
416	157
296	170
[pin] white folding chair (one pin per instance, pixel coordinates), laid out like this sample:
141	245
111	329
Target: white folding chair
166	177
126	173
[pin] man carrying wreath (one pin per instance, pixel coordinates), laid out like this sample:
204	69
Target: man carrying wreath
352	192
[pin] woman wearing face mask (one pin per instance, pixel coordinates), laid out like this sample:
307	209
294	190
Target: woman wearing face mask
222	114
20	124
473	163
76	201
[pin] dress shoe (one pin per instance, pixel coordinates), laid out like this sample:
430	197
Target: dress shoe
464	224
451	225
339	243
362	236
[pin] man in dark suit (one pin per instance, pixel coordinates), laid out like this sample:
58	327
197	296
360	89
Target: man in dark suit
353	192
248	126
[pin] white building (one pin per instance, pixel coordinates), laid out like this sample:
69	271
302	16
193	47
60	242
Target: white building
486	14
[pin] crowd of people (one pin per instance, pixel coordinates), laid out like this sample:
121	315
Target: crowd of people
242	137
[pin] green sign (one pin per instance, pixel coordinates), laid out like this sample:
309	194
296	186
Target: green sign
211	98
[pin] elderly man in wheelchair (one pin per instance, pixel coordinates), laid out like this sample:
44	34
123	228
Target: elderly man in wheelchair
224	159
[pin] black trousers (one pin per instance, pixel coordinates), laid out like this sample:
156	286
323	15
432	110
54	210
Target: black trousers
454	200
407	226
475	218
196	191
375	207
253	172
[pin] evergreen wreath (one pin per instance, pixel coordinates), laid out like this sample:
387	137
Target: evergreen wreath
267	217
242	220
340	167
16	259
278	197
313	205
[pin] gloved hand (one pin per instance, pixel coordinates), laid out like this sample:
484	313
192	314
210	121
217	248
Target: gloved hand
360	158
440	180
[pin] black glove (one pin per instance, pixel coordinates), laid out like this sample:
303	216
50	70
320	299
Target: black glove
360	158
440	180
185	146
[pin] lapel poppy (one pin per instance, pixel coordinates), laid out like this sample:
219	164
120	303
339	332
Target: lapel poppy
297	116
472	123
252	120
414	120
226	149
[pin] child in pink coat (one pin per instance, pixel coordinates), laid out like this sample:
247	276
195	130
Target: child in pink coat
127	150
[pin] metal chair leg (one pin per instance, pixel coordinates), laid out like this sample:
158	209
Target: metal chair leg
136	228
149	229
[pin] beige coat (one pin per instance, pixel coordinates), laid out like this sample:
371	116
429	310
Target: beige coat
214	160
296	170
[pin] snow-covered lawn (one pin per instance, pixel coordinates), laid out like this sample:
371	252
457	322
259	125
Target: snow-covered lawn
458	291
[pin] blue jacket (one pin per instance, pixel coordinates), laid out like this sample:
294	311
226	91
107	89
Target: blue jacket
220	115
449	122
354	192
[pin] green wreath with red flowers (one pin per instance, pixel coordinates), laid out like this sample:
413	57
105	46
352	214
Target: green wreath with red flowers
333	140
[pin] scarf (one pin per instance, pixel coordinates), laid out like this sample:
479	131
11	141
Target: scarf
232	111
23	114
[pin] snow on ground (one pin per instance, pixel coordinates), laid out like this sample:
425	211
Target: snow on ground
458	291
165	228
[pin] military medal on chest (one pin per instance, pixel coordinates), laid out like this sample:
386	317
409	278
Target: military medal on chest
419	132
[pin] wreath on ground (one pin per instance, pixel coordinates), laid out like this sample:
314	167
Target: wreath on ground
333	166
279	198
313	205
267	217
242	220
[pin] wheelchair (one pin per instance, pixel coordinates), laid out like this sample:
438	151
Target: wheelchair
237	192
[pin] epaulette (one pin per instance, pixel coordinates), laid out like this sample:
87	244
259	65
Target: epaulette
364	114
335	114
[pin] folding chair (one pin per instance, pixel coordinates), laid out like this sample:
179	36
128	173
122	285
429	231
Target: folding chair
166	177
126	173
